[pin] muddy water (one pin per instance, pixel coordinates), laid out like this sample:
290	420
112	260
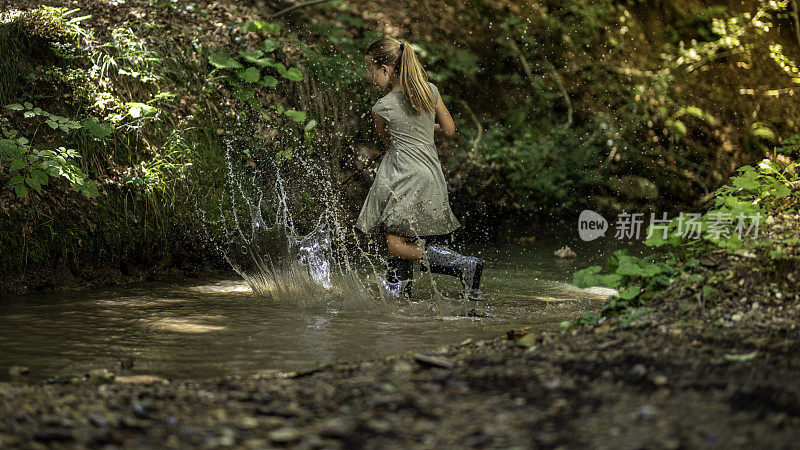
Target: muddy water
200	328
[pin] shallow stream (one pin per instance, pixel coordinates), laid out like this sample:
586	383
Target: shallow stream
189	328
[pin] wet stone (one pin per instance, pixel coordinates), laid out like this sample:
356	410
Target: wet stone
433	361
285	435
16	371
335	428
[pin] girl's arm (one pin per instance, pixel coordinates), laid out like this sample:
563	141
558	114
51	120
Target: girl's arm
443	119
380	127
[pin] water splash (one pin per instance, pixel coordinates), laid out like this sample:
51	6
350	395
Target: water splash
276	260
326	267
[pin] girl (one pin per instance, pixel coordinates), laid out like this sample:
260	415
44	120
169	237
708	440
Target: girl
408	199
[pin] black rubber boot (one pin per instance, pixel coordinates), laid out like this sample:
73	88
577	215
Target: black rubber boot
445	261
399	277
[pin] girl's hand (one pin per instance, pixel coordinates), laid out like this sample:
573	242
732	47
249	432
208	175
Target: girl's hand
437	129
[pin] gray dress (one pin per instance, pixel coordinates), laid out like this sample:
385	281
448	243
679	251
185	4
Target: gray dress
409	194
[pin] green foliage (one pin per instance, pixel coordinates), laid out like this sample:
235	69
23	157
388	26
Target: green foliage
250	61
768	185
33	168
53	121
587	319
221	61
543	167
636	278
740	205
249	66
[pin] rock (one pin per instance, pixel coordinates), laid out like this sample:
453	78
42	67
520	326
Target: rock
639	370
528	340
142	409
379	425
402	367
601	329
98	420
255	443
737	317
335	427
565	252
516	334
285	435
101	376
16	371
645	412
660	380
433	361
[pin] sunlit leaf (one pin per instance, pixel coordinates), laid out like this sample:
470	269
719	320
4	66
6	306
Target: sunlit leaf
137	110
269	45
268	81
221	61
293	74
249	55
97	129
629	292
297	116
251	74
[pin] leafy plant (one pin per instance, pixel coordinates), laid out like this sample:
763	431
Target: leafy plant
637	278
53	121
34	168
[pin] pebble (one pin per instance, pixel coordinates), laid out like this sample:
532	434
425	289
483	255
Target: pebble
639	370
335	427
645	412
16	371
660	380
284	435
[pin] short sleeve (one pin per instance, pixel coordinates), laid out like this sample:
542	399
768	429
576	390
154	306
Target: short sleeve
380	109
435	92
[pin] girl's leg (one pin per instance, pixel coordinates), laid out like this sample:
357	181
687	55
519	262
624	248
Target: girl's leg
399	268
403	247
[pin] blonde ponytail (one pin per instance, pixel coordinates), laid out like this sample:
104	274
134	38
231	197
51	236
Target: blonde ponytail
413	78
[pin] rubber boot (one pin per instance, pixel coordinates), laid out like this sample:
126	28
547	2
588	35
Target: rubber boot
445	261
399	277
